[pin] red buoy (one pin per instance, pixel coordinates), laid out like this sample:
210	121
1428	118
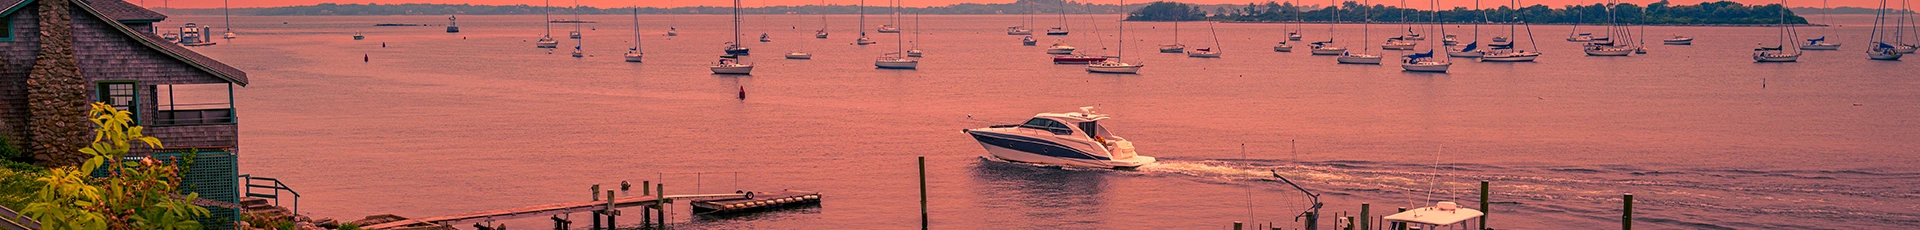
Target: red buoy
743	93
367	58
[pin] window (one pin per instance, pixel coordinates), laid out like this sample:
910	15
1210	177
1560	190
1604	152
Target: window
1049	125
197	104
120	95
7	28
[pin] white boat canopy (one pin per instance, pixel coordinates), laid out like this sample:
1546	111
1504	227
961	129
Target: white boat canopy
1443	213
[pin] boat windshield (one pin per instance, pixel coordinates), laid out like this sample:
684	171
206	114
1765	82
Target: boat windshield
1094	131
1049	125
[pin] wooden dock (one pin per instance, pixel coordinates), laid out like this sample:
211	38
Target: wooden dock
755	202
547	209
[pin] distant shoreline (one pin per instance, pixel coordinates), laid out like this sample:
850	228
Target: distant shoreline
1554	24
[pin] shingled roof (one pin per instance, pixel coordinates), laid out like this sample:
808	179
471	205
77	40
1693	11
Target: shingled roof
115	9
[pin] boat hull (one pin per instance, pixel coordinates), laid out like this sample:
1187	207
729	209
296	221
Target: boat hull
1407	46
1176	50
1436	68
633	58
1203	54
1907	49
1329	51
1078	60
1776	58
799	56
1359	60
1029	150
1821	47
1113	69
1288	49
740	51
1059	51
1609	52
896	64
1508	58
1056	33
1677	42
740	70
1885	56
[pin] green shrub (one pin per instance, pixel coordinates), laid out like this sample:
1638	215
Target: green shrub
349	226
134	194
17	188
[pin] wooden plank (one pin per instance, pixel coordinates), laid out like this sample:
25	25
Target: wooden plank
540	210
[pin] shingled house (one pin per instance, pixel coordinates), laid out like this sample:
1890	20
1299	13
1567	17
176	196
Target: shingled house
182	97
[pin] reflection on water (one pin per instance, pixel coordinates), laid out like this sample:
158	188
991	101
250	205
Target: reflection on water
1065	196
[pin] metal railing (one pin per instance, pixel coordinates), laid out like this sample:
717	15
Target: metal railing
276	187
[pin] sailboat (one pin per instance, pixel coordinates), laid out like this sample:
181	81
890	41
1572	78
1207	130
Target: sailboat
577	51
1425	61
1208	52
1899	34
734	47
732	64
1115	65
863	23
1580	17
1022	29
1609	47
1176	47
1779	52
229	17
894	20
546	40
1062	29
1402	42
1365	56
1472	49
822	32
1293	35
1298	22
576	21
1881	50
916	52
671	30
633	53
895	59
1503	51
1820	43
1028	41
1327	47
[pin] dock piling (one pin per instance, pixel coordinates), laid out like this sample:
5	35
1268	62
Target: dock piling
646	213
1485	210
1397	225
923	193
662	204
1236	225
611	210
1626	219
1364	217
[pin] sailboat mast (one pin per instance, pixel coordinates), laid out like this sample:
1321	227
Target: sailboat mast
229	14
547	13
1331	21
636	27
899	42
1366	27
1123	33
736	22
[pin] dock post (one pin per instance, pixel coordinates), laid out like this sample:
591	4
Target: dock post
660	203
646	213
923	192
1364	209
611	212
1236	225
1484	208
1397	225
1626	220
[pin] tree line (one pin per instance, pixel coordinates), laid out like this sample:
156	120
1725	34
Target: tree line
1663	12
1017	7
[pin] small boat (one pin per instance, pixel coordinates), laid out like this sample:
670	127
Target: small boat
577	52
1885	52
1056	31
1509	55
1283	47
1060	47
1819	43
888	29
1442	215
671	32
573	34
1018	30
1114	66
1780	53
1293	36
1607	49
1397	44
799	55
1078	59
356	37
1353	58
1499	39
547	43
1678	40
175	37
1424	62
1411	36
1028	41
765	38
734	48
1582	37
821	34
229	35
731	66
1066	139
1173	48
634	55
1449	40
915	52
1471	50
1326	48
1204	53
195	35
863	40
895	61
1906	48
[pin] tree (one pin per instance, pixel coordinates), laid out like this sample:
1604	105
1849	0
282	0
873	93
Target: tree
56	92
134	195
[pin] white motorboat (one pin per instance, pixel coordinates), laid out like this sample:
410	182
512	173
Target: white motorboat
799	55
1397	44
1326	48
1353	58
1678	40
895	61
1068	139
1060	47
1443	215
1028	41
731	66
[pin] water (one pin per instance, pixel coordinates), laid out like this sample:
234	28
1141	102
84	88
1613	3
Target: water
442	123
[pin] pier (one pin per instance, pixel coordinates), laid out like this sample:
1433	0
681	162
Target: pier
754	202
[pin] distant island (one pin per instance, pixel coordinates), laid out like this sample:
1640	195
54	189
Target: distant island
1658	13
1017	7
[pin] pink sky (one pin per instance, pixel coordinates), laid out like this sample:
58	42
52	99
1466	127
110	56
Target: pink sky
751	3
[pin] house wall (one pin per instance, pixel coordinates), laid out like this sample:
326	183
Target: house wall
104	53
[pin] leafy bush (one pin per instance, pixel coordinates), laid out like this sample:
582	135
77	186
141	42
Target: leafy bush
17	187
134	194
349	226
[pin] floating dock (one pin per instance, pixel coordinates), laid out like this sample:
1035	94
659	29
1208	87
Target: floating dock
548	209
752	202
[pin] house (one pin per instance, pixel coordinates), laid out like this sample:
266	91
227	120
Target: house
182	97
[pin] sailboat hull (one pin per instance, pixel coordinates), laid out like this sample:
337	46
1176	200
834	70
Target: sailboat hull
884	64
1203	54
633	58
1465	54
1775	58
1821	46
1609	51
1329	51
1889	55
1427	67
1130	69
1283	48
1374	60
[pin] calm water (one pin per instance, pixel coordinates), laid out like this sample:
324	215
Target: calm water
442	123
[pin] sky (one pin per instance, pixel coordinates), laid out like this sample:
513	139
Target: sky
913	3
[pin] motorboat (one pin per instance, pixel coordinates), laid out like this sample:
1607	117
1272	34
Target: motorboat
1397	44
731	66
1067	139
1204	53
1424	62
1326	48
799	55
1028	41
888	29
1019	30
1354	58
1078	59
1678	40
895	61
1173	48
1283	47
1442	215
1114	66
1060	47
1819	43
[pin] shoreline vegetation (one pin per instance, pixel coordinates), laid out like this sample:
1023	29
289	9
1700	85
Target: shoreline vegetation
1658	13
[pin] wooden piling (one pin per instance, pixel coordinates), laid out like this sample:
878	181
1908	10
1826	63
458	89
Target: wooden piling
1363	214
1626	218
1485	209
923	193
1236	225
646	213
612	211
661	189
1397	225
